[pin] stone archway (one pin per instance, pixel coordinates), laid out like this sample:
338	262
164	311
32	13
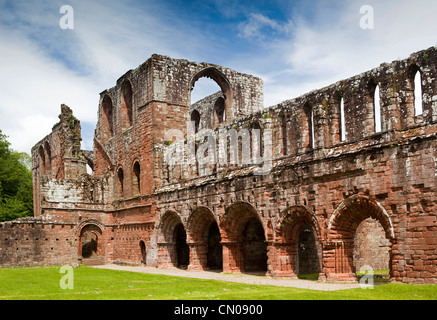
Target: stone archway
342	230
91	247
204	240
173	250
244	239
254	247
297	246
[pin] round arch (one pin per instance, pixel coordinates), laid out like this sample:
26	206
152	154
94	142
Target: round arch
352	211
172	241
168	222
342	228
244	239
90	234
297	246
198	223
235	218
292	220
205	239
216	75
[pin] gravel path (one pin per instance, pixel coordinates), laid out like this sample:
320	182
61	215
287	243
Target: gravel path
241	278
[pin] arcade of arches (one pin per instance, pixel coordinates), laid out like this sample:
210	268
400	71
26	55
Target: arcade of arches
359	234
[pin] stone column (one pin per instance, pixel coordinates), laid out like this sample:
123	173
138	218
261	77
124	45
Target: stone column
167	255
232	257
197	256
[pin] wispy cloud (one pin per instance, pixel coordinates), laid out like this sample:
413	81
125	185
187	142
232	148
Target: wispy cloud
257	25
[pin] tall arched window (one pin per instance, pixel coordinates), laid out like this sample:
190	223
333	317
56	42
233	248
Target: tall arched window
342	121
126	104
42	160
136	182
195	120
107	118
120	181
48	155
219	110
418	107
377	109
308	127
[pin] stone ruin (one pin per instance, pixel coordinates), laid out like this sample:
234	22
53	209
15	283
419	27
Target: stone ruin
351	179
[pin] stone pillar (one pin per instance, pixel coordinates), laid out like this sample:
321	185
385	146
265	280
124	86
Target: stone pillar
232	257
282	260
198	258
337	261
167	255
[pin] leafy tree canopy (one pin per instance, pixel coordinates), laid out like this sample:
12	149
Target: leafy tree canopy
16	198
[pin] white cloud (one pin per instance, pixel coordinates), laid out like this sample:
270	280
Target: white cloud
257	24
43	66
33	88
329	45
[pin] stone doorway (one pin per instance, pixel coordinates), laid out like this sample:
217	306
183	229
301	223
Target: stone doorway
143	252
309	262
182	249
254	247
214	255
89	245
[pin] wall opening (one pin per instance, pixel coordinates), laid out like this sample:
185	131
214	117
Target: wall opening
89	244
214	250
308	128
418	103
120	181
195	120
283	118
48	155
342	122
136	179
143	252
182	249
309	262
377	110
219	111
126	104
107	118
254	247
371	247
42	160
210	95
358	225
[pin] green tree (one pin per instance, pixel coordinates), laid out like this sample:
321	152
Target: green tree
16	198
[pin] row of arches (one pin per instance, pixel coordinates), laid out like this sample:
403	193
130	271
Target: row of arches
241	241
125	111
341	125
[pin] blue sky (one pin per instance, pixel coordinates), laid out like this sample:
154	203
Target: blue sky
294	46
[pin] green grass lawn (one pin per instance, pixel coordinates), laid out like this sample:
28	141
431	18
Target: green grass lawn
92	283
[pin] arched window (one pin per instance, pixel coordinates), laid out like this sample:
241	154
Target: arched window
48	156
208	83
120	180
418	107
42	160
126	104
219	110
107	118
342	121
195	120
136	179
308	127
377	109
